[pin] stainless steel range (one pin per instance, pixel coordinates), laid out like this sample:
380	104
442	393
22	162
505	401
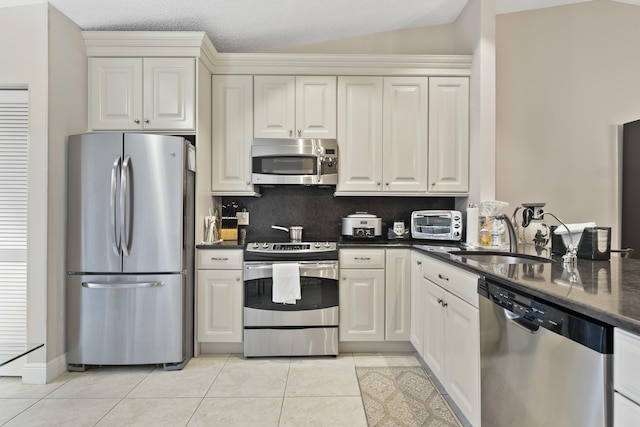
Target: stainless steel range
304	326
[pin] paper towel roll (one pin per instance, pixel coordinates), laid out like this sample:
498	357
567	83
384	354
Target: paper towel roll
472	225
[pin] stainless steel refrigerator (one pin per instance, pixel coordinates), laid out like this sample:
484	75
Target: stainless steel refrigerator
130	250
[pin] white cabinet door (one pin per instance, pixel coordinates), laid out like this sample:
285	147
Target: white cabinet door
142	94
449	134
462	349
274	106
232	132
418	303
220	303
360	133
626	413
398	295
405	134
316	107
115	93
362	305
434	329
169	93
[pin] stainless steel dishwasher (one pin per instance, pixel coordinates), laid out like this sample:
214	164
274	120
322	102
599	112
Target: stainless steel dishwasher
541	365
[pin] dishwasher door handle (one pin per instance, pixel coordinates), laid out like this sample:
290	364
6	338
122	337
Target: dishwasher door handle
520	322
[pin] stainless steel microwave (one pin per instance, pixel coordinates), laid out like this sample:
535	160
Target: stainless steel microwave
436	225
294	161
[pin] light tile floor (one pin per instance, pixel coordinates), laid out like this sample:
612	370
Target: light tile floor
212	390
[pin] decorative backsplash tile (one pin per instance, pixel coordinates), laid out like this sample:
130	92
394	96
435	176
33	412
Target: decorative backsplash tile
320	213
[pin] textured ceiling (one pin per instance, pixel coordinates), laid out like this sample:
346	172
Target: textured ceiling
264	25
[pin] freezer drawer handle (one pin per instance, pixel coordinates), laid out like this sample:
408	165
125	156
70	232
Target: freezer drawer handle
92	285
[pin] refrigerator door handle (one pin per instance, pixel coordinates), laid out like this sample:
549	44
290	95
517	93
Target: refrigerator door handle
125	232
117	249
135	285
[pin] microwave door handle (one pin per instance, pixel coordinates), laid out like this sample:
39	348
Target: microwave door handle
319	159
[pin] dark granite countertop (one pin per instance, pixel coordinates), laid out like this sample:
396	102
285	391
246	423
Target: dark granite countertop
608	291
225	244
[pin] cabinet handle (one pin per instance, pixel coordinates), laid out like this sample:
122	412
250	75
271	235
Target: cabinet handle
419	262
444	303
290	133
433	184
136	121
219	259
359	258
248	182
387	184
441	277
237	279
146	120
440	301
299	132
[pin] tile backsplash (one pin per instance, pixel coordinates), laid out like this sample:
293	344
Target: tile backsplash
320	213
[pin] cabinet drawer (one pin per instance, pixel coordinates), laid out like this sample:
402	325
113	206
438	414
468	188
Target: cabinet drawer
625	412
455	280
626	364
362	258
220	259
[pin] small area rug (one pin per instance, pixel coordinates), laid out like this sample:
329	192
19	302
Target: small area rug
403	396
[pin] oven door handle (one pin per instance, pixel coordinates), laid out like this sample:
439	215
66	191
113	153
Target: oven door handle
261	270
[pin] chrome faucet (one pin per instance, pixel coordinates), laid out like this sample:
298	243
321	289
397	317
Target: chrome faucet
513	237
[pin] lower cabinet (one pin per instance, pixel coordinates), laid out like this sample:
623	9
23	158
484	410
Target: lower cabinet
449	320
375	296
219	296
626	378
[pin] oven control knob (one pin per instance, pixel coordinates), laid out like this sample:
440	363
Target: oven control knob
265	245
317	245
255	246
327	245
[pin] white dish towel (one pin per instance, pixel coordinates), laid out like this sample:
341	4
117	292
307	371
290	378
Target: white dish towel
286	283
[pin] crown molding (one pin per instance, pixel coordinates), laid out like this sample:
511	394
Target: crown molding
342	64
193	44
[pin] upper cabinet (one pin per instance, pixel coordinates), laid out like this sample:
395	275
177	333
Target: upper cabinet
295	107
142	93
449	134
232	132
382	134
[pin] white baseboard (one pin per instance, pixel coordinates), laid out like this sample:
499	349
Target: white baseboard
43	373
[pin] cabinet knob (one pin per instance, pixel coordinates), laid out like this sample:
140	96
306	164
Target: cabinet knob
344	278
444	303
433	184
299	132
290	133
387	184
419	262
237	279
248	182
146	120
378	184
136	121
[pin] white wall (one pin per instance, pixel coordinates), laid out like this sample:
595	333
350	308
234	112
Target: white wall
566	78
67	107
435	40
23	56
45	51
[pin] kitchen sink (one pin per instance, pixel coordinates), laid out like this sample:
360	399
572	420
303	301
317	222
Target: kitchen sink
499	257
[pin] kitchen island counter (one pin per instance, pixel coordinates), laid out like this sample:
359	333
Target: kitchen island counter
608	291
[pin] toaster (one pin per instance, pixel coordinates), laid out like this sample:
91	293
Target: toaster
436	225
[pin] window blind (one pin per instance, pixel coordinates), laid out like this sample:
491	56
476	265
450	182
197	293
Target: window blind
14	141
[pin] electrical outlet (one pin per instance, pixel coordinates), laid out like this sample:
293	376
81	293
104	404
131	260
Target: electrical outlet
243	218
